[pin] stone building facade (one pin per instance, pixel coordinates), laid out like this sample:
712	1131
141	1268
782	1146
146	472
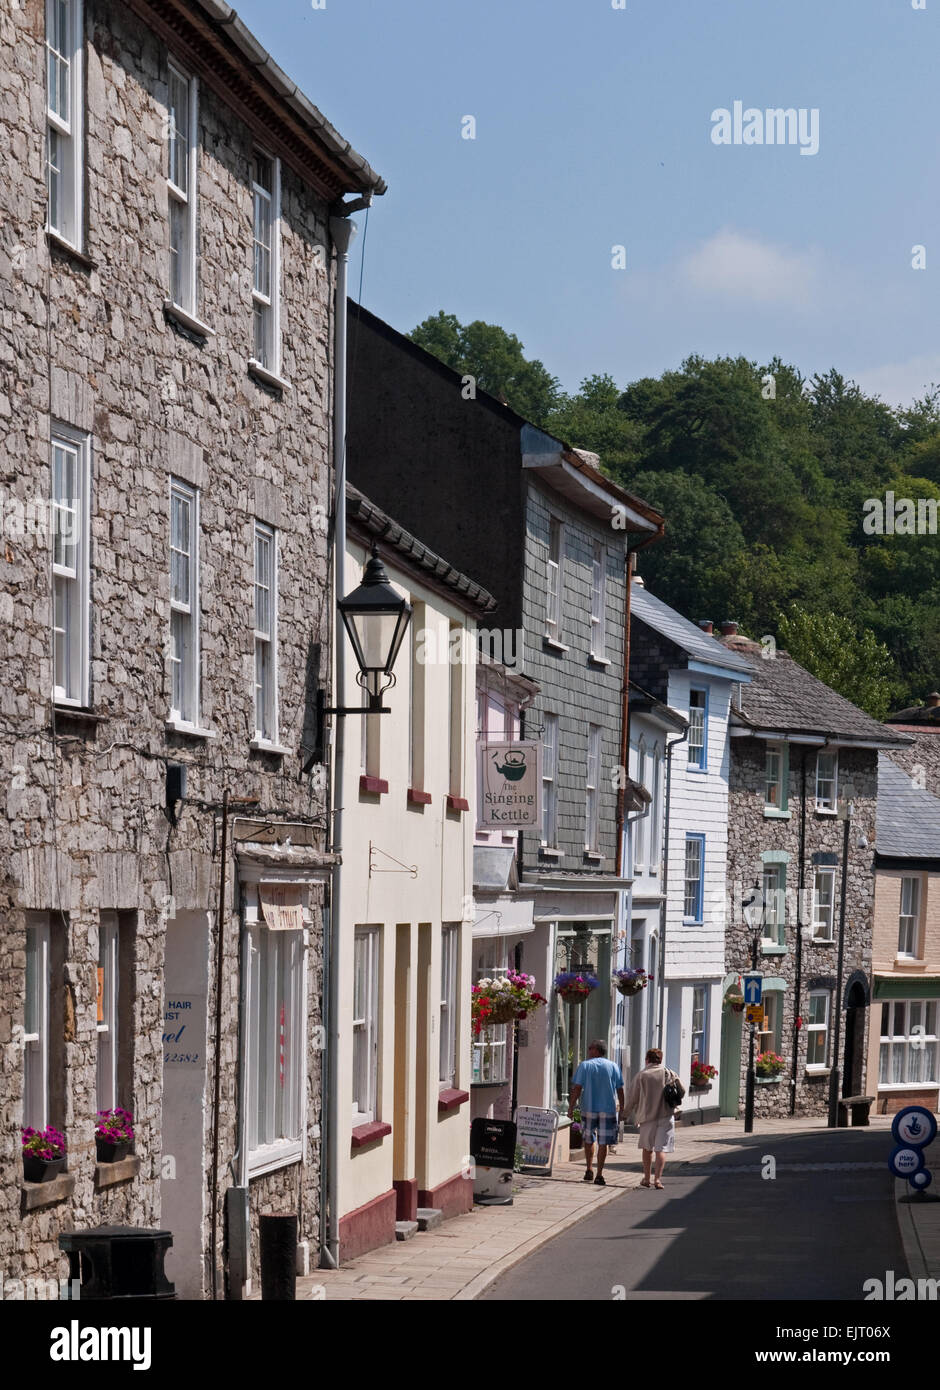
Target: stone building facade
799	756
166	413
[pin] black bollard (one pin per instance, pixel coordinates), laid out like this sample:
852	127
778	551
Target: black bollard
279	1258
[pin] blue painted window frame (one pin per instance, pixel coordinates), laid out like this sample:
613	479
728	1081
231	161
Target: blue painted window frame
700	902
702	764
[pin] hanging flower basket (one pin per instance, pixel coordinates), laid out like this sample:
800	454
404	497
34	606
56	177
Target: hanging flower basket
631	981
574	987
43	1154
504	999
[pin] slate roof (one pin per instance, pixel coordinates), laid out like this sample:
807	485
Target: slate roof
783	696
926	716
697	644
908	824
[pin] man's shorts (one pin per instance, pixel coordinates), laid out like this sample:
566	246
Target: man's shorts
604	1126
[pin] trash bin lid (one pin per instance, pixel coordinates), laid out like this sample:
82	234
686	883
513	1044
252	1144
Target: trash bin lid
114	1233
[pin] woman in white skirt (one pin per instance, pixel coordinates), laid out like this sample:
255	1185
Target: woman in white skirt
654	1117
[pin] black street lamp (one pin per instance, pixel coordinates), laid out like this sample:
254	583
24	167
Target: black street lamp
376	619
748	910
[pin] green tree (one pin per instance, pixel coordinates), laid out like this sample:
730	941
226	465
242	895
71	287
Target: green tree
849	659
495	359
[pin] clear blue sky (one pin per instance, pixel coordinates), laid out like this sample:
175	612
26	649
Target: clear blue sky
593	130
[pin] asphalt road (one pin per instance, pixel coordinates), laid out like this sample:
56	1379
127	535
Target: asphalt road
720	1230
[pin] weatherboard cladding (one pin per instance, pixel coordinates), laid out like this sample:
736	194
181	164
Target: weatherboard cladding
908	816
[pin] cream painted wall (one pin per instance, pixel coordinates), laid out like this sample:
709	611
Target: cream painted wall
409	912
885	953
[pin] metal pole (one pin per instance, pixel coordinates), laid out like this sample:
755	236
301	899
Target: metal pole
835	1075
217	1090
750	1083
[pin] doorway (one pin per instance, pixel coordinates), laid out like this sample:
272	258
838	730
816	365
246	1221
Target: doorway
729	1085
853	1065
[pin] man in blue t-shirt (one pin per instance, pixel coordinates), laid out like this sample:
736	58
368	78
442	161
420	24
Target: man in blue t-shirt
601	1084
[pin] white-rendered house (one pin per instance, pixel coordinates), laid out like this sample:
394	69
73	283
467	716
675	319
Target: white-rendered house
683	666
405	935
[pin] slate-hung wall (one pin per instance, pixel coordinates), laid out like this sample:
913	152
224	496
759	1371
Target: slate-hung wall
153	401
573	686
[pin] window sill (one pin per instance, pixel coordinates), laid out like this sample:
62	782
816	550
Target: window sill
451	1099
773	813
593	857
180	316
65	248
372	786
369	1133
827	811
695	767
45	1194
416	798
78	712
907	1086
770	948
816	1072
262	745
555	645
551	853
272	1156
821	941
767	1080
107	1174
598	660
902	961
179	726
457	803
692	922
266	377
485	1085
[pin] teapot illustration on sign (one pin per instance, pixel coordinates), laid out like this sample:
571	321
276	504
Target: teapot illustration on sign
513	769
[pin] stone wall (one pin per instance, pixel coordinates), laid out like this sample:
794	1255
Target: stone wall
86	342
749	834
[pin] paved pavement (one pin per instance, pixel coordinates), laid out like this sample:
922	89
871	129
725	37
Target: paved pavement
836	1177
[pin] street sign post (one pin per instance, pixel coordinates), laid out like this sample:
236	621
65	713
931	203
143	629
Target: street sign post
912	1129
755	1013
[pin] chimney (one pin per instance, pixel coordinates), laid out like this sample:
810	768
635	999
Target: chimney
728	628
707	625
638	580
933	699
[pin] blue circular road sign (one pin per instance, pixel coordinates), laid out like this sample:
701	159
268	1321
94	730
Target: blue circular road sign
915	1126
905	1161
921	1179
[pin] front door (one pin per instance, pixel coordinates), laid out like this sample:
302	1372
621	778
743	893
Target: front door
729	1086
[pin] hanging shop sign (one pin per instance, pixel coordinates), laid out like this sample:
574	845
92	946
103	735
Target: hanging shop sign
511	782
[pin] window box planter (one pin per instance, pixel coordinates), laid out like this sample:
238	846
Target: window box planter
36	1169
108	1152
699	1090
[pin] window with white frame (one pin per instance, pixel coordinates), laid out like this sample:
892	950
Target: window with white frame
71	470
491	1048
817	1028
694	877
908	1055
107	1024
64	119
824	896
184	602
768	1038
592	785
36	1023
700	1023
641	823
773	918
909	921
365	1024
654	814
775	777
182	127
266	633
549	780
698	728
556	578
450	955
827	781
276	1066
266	200
599	601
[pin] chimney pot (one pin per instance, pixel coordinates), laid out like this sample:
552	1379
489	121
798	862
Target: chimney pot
728	628
707	625
933	699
